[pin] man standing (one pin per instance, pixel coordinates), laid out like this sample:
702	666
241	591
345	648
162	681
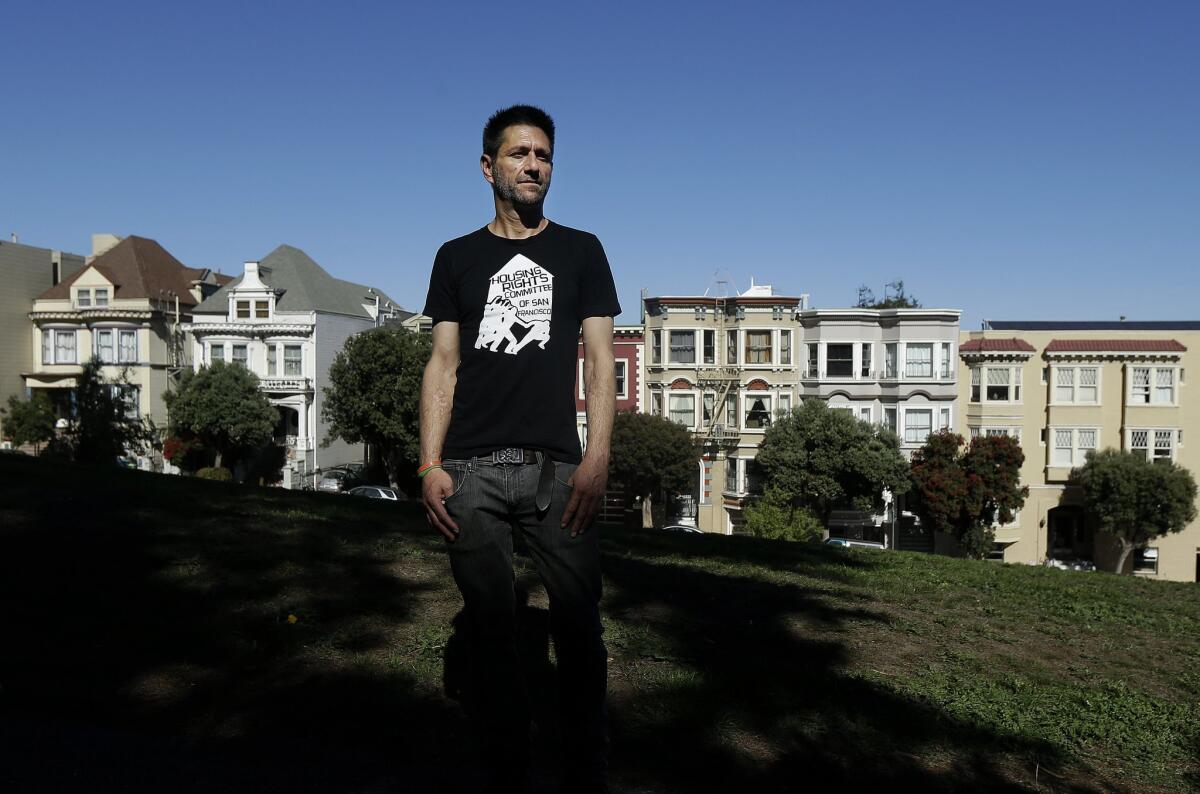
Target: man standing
499	447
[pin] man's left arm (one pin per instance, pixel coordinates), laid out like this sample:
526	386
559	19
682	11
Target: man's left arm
600	389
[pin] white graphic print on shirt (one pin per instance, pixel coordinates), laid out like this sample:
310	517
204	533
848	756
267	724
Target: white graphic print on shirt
519	301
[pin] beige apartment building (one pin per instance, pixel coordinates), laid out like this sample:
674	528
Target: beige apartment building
1066	388
126	308
725	366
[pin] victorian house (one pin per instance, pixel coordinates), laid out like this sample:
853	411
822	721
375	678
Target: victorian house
127	308
286	319
725	366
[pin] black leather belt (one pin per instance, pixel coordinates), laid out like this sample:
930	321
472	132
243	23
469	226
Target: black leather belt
516	455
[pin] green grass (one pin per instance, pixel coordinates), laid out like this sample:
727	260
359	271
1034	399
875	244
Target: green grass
314	641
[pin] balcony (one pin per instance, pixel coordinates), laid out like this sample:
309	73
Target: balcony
290	383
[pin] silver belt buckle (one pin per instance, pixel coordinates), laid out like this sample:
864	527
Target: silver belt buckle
509	455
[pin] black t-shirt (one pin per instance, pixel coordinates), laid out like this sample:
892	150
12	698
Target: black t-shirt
519	305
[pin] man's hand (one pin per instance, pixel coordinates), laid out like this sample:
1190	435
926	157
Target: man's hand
589	481
436	487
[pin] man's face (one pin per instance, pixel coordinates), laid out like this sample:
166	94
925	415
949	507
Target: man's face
520	172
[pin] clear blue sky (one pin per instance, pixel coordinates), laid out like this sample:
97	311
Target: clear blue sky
1015	160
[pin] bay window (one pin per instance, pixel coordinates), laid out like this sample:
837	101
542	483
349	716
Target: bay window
127	352
683	409
758	411
1003	383
58	346
1153	443
292	361
758	347
683	347
918	424
240	355
104	346
216	352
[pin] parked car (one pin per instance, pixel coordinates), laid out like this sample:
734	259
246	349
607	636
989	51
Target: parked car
374	492
335	481
682	528
847	542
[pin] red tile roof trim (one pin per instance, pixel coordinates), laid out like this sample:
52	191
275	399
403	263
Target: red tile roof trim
1115	345
1013	345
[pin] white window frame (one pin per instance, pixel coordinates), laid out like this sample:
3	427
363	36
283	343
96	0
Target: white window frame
83	297
1142	556
682	397
891	418
1078	453
120	335
273	361
908	347
731	468
929	409
787	347
656	346
891	360
825	353
50	346
769	413
731	336
980	378
770	348
945	361
233	359
865	360
670	351
98	349
1057	371
785	402
1152	385
864	413
300	361
100	297
1153	435
212	347
812	360
705	335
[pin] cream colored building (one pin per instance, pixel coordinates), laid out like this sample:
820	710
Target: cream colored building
125	307
1065	388
724	366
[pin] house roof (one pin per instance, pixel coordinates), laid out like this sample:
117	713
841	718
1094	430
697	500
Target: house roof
1012	345
1091	325
302	285
138	267
1115	345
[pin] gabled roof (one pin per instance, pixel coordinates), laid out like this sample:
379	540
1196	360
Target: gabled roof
1115	346
138	267
302	285
1013	345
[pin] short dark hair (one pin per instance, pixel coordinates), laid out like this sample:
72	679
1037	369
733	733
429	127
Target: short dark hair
517	115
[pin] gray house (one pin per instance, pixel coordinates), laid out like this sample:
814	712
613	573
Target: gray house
286	318
26	272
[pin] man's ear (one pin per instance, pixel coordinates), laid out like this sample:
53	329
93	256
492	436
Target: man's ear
485	165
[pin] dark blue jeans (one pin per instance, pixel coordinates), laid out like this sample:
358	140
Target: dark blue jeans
490	502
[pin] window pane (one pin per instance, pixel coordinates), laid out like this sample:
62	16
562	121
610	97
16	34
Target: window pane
272	359
998	380
731	348
47	347
1164	386
1064	385
785	347
243	310
812	360
889	418
128	347
1062	448
889	360
64	347
1162	444
917	426
239	355
758	347
865	360
683	347
918	361
619	371
839	361
710	406
104	346
102	297
945	366
83	297
731	475
758	411
656	347
1140	390
216	352
710	347
683	409
262	309
731	421
292	364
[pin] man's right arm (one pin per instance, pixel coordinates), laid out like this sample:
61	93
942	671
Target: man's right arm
437	400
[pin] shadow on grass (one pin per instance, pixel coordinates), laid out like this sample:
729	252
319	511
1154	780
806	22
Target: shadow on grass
748	689
169	635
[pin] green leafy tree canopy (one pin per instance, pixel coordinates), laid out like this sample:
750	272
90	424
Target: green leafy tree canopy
650	455
823	458
776	517
222	406
1133	499
374	394
104	428
966	491
29	421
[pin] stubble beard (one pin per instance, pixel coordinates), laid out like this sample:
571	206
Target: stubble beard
510	192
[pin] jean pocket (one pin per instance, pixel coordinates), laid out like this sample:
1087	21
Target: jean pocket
563	472
459	472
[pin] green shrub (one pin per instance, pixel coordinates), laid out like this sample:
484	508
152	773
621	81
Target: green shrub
773	516
218	473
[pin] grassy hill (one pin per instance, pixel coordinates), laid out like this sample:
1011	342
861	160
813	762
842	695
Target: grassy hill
164	634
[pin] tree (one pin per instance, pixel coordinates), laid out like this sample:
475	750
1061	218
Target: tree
650	455
374	395
29	421
104	428
1133	499
894	297
222	406
775	516
966	491
823	458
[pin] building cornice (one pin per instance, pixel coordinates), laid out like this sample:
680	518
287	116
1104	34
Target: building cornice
91	315
247	329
